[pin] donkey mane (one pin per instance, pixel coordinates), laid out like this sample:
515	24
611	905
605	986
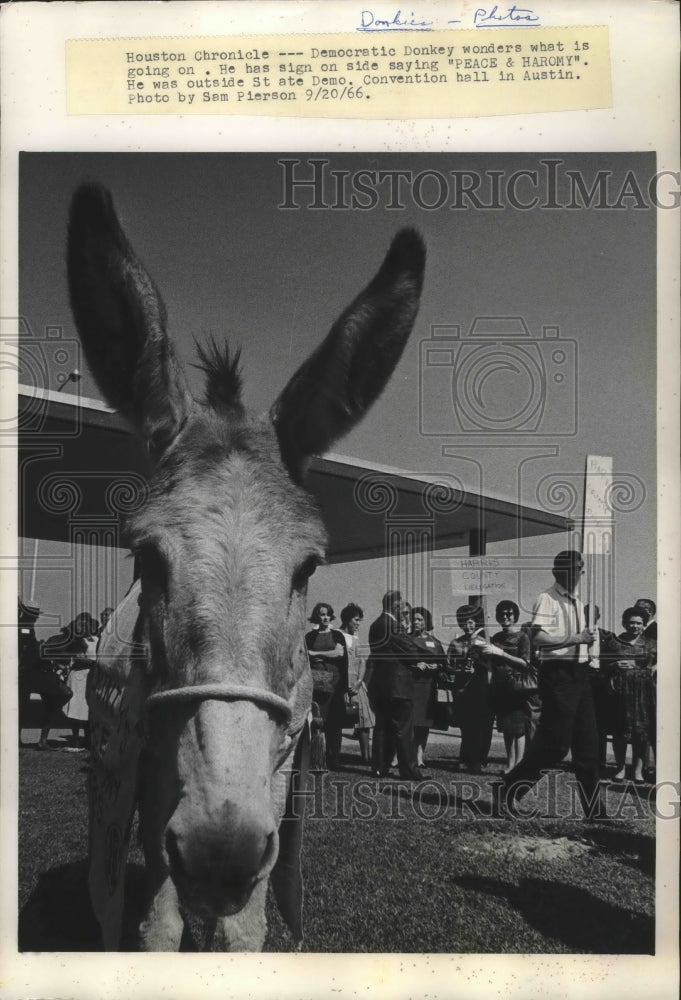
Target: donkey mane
222	370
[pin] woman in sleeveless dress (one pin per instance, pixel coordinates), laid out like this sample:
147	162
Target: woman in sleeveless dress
351	617
82	648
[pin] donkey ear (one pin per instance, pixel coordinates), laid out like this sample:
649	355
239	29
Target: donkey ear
335	387
121	320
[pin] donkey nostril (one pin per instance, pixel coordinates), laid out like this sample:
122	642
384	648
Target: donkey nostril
255	852
222	862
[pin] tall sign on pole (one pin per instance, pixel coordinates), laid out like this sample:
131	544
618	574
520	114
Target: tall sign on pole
597	536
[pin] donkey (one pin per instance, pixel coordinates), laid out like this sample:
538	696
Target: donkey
226	543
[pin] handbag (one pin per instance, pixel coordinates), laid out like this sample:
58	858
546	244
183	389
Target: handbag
351	710
524	681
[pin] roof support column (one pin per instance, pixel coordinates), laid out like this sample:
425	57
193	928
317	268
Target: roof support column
477	546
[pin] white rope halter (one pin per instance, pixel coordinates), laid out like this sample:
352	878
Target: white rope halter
222	692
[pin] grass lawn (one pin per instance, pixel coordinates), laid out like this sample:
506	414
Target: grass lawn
386	869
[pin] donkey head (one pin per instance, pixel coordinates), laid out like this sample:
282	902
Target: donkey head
228	539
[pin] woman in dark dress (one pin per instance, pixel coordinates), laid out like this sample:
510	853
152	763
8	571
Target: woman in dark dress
629	660
470	669
510	648
329	663
431	660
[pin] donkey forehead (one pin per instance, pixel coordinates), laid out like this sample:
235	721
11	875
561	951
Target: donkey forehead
221	476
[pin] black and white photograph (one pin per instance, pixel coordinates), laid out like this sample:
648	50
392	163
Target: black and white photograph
338	499
492	327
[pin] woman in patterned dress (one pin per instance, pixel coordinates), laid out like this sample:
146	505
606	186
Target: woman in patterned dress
629	660
431	661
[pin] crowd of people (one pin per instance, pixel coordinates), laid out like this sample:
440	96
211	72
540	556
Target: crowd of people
57	670
552	685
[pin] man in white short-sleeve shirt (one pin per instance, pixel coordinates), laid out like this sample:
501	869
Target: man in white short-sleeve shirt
567	721
560	616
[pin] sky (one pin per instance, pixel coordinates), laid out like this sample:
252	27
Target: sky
231	262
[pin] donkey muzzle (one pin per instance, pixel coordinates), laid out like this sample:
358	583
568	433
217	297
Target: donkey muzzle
216	863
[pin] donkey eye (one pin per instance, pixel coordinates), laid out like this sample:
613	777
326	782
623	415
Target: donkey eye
304	572
153	567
